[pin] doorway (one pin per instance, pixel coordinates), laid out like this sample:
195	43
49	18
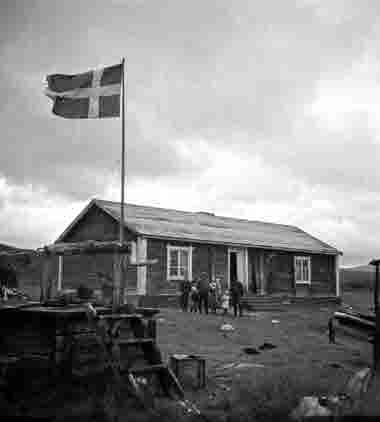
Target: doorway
238	266
233	266
253	285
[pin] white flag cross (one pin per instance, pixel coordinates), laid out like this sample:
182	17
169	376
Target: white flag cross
93	93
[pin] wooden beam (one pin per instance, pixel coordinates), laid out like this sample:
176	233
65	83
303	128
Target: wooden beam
144	263
28	253
87	247
75	248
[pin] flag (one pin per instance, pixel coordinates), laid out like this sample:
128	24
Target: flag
90	95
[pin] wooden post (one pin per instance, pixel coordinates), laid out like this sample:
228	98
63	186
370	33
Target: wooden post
337	276
60	272
117	273
262	273
246	270
45	279
376	343
141	256
376	289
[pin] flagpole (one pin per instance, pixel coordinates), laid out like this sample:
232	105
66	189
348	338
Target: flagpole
121	228
119	276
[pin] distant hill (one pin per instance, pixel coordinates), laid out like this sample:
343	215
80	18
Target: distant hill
359	277
9	248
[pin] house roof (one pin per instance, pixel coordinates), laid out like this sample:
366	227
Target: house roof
205	227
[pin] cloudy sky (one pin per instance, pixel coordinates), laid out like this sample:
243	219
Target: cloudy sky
260	110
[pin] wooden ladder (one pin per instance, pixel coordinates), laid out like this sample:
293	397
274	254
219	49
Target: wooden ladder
107	330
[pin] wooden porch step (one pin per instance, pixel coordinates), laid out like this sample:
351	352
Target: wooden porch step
136	341
148	369
280	303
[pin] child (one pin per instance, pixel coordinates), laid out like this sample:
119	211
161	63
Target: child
212	297
194	299
225	302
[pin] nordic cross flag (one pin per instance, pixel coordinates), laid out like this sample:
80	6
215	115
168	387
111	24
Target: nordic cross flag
90	95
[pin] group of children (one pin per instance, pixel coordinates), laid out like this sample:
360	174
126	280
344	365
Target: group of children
202	295
214	298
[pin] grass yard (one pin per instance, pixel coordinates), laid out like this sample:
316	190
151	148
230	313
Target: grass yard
361	299
241	386
268	384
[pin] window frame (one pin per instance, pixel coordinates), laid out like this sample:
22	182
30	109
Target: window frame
177	276
300	258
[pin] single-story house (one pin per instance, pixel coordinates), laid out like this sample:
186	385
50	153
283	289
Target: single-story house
269	259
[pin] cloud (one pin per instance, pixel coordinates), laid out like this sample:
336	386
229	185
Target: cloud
267	110
30	217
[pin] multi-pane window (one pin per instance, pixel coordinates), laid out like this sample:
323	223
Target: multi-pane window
179	260
302	269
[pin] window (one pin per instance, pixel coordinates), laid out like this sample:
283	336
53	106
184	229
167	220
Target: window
302	269
179	262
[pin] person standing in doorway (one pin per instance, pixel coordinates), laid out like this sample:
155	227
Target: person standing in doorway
203	288
237	292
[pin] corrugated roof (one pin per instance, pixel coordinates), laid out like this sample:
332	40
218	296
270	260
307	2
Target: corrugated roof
209	228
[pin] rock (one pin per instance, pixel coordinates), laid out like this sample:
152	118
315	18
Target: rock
249	365
251	350
142	380
309	407
335	365
267	346
227	327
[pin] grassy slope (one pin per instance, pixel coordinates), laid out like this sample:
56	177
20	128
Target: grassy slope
358	277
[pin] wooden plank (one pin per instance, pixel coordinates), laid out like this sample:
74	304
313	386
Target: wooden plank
120	316
148	369
86	247
144	263
135	341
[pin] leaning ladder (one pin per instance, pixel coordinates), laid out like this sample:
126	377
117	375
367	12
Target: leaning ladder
107	332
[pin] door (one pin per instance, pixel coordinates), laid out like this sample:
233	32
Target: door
233	266
238	266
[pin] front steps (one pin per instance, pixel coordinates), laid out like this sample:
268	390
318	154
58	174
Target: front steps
282	303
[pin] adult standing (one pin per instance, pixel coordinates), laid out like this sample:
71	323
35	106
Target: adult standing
237	292
185	292
203	288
